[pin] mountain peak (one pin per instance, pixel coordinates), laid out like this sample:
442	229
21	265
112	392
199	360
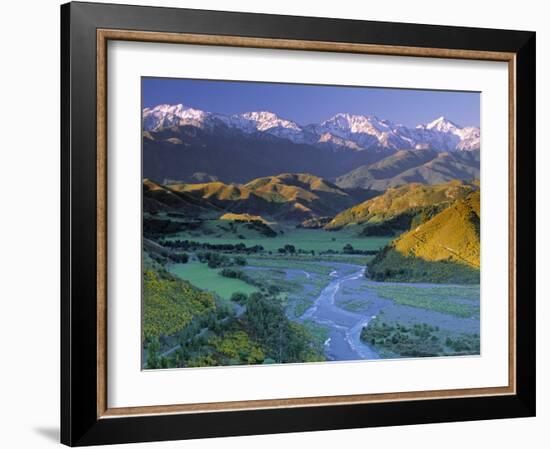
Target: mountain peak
167	115
356	123
267	121
259	115
166	108
442	124
350	118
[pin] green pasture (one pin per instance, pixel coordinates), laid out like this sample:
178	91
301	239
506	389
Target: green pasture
209	279
304	239
457	300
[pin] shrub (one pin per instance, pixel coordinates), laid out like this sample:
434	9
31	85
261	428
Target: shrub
239	260
169	304
179	257
232	273
239	298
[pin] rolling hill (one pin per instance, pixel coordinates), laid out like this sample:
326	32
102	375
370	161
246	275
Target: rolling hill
402	207
446	248
159	198
422	166
287	197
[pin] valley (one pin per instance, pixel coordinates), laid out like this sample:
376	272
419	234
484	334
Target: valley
312	284
267	242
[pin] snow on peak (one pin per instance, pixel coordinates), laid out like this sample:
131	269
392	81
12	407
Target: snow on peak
337	142
342	131
355	123
444	134
442	124
367	131
264	120
166	116
259	116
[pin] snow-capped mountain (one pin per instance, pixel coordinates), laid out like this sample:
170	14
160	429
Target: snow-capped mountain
167	116
265	121
470	139
443	132
441	124
343	131
336	142
368	131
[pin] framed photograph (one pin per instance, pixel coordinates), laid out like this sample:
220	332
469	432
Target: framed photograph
279	224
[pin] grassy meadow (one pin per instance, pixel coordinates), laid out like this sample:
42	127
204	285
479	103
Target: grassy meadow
210	280
223	288
304	239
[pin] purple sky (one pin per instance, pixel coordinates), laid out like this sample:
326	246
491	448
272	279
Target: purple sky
314	103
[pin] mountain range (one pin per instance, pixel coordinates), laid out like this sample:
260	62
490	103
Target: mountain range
344	131
181	142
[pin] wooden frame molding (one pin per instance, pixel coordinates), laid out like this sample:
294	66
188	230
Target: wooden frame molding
106	35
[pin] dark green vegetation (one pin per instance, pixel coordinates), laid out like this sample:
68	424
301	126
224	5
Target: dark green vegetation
312	241
190	245
391	265
261	334
445	248
217	260
418	340
284	340
185	326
